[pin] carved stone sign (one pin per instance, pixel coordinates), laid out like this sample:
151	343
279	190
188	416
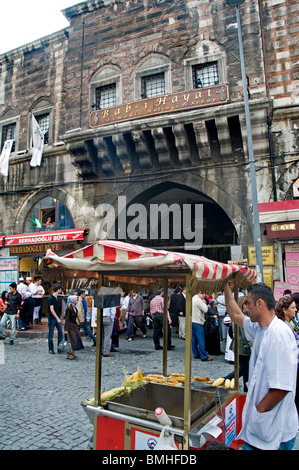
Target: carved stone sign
175	102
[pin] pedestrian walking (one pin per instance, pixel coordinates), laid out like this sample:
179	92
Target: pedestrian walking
71	328
135	315
269	419
286	310
3	303
212	330
157	313
182	314
82	294
199	308
175	307
26	311
108	321
54	318
12	312
37	294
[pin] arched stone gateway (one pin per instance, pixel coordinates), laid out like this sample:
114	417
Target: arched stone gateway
186	213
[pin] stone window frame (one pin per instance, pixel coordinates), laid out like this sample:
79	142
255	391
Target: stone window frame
154	63
106	75
8	118
41	108
205	53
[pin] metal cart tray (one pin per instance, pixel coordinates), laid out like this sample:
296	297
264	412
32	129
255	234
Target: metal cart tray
143	401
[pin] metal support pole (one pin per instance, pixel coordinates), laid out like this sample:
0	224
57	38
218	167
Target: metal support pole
98	366
256	221
165	326
188	363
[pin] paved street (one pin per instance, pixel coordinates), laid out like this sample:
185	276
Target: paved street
41	395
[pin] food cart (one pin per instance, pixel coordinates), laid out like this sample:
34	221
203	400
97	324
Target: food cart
199	412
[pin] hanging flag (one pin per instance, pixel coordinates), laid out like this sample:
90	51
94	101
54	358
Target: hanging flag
37	143
4	158
37	223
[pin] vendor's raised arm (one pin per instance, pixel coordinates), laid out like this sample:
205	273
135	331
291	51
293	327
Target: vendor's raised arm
232	307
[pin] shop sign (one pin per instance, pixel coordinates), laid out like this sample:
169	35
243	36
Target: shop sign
268	277
197	98
267	255
239	262
9	264
283	230
44	237
42	249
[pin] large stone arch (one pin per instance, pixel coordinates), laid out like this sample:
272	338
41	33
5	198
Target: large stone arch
137	191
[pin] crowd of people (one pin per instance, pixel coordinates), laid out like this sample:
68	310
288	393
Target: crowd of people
21	305
268	341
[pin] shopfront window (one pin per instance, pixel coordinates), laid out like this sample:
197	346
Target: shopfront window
48	214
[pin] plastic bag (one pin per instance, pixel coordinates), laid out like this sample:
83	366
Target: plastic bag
166	442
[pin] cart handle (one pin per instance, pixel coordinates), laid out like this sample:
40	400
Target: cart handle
99	410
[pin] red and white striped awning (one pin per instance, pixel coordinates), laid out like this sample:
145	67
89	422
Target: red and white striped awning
108	256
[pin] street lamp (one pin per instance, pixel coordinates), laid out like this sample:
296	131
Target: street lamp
256	220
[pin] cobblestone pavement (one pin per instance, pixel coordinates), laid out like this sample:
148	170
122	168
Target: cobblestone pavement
41	394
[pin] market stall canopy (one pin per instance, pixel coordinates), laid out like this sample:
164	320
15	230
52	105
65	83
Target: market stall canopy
110	256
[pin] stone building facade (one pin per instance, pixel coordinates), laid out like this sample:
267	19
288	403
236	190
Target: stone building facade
143	100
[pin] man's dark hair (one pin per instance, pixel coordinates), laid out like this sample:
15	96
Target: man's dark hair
13	285
56	287
262	291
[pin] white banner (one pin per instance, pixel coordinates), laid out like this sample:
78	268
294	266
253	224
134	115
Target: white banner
4	158
37	143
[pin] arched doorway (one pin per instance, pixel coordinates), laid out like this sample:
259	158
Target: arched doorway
172	213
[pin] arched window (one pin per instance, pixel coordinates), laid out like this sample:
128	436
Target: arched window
106	87
152	76
48	214
205	65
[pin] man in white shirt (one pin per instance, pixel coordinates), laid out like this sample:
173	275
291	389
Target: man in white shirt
22	288
37	294
199	308
269	419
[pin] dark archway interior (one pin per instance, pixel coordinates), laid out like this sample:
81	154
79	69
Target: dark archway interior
218	231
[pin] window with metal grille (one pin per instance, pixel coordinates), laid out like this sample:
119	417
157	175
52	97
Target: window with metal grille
9	132
205	75
44	121
153	85
106	96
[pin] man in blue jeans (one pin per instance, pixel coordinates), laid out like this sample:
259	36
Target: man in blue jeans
54	319
199	308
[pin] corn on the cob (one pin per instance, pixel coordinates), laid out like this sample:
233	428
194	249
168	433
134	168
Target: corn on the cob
139	375
202	379
218	382
111	393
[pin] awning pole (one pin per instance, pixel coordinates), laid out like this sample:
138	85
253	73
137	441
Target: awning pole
236	343
98	365
165	326
188	350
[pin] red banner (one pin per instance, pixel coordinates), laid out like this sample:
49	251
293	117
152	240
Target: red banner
45	237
